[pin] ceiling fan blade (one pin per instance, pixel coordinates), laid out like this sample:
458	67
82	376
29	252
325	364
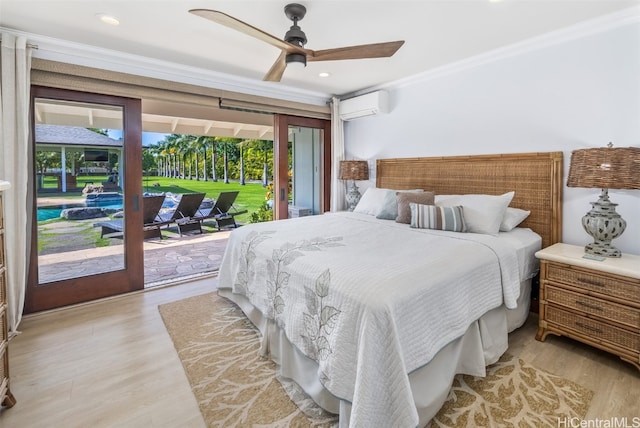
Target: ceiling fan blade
277	69
235	24
374	50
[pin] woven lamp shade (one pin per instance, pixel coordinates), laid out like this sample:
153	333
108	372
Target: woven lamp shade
354	170
605	168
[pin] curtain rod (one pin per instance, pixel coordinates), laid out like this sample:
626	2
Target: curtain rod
29	45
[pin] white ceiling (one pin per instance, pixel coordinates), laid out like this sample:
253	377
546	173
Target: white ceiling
437	32
158	117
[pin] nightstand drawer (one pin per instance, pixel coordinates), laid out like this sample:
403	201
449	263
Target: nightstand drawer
592	281
592	305
592	329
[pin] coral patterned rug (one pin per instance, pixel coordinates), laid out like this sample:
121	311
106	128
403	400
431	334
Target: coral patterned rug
235	387
512	394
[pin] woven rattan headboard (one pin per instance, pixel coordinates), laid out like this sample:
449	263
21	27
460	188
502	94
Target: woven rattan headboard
536	179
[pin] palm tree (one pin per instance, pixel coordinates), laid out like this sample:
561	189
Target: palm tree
193	148
170	149
230	149
214	174
165	156
265	146
155	151
241	146
201	143
225	155
173	161
226	163
186	151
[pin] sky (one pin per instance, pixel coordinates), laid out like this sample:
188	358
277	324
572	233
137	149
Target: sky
151	138
148	138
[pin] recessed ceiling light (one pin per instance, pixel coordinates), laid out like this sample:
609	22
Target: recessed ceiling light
108	19
324	74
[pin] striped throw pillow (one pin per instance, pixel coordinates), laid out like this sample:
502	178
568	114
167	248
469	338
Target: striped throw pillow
436	217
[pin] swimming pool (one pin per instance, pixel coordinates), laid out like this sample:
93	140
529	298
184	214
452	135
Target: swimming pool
50	212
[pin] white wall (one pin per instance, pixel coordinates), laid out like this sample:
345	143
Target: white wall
575	94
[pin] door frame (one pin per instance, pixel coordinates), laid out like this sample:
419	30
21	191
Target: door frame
281	125
131	278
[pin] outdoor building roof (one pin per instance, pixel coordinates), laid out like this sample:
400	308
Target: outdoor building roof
58	135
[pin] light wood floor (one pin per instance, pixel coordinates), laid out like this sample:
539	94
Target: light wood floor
112	364
104	364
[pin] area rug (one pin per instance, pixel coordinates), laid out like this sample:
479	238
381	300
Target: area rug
235	387
513	394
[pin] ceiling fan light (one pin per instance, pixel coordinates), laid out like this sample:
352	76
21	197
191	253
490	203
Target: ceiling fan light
296	59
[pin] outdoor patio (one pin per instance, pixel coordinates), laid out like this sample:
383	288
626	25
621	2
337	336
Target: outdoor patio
169	259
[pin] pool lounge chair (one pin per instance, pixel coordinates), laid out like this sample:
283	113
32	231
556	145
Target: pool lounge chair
151	225
185	214
223	211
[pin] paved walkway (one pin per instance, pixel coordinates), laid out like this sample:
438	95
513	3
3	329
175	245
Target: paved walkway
170	259
68	249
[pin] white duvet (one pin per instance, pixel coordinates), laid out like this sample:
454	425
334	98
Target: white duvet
369	300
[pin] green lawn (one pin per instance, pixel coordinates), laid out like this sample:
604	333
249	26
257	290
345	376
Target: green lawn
251	195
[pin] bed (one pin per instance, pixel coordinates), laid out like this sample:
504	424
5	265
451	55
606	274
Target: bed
373	318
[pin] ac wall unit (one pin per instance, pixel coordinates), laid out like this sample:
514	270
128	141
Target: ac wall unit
364	105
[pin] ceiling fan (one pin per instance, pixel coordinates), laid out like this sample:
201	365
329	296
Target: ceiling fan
292	46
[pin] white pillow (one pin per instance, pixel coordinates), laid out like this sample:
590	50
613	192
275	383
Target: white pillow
512	218
372	201
482	213
380	202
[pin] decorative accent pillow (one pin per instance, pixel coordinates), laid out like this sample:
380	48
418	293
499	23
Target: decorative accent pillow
482	213
512	218
403	199
389	208
380	202
438	218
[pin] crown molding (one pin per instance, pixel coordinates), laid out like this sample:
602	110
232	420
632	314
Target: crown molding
577	31
49	48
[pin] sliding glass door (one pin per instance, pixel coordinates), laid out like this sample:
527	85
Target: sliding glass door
87	179
302	152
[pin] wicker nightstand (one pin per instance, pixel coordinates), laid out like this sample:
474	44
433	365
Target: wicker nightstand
6	398
595	302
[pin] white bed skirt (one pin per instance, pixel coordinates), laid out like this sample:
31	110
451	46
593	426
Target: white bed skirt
483	343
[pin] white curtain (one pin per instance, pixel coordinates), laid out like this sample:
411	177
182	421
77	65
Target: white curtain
15	66
338	191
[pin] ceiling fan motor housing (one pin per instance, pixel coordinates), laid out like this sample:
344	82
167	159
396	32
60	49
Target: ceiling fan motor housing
295	35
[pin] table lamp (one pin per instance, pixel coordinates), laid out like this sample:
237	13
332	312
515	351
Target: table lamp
353	170
604	168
